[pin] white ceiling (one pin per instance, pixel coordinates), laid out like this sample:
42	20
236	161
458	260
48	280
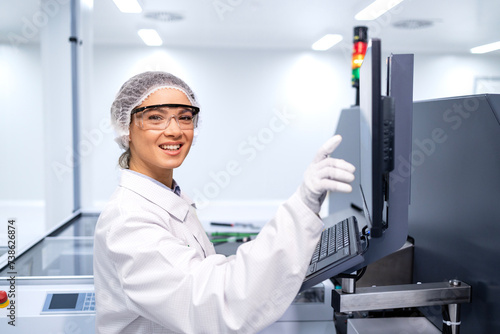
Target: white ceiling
457	25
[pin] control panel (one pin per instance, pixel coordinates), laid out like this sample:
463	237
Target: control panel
69	303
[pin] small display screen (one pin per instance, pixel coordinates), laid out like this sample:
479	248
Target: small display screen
63	301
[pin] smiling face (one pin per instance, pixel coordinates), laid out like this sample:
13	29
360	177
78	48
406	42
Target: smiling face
156	153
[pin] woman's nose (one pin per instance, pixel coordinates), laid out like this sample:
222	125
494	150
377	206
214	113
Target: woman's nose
173	127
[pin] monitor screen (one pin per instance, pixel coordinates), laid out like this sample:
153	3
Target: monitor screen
63	301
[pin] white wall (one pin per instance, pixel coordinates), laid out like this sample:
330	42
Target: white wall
438	76
239	163
21	133
239	90
22	164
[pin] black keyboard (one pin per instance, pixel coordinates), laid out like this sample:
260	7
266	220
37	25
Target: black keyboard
334	246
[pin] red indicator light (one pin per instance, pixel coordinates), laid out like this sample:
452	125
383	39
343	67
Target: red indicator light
4	300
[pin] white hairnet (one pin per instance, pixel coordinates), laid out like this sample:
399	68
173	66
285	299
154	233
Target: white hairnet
134	91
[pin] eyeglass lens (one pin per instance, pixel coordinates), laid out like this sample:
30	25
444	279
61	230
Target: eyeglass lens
159	118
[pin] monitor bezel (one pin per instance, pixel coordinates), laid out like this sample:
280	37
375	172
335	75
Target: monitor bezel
372	173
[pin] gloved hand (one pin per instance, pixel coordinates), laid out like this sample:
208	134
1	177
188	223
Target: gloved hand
326	174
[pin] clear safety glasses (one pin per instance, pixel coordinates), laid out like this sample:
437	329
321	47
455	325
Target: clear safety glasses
157	117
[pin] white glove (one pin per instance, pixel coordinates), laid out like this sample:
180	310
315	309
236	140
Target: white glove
326	174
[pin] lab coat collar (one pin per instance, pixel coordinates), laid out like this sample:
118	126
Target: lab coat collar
177	206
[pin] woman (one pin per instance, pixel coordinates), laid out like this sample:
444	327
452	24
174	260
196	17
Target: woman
155	270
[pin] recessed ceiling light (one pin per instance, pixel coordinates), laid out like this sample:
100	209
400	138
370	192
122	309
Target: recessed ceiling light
150	37
128	6
376	9
326	42
413	24
164	16
486	48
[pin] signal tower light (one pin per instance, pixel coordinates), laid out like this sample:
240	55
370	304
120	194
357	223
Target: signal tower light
358	54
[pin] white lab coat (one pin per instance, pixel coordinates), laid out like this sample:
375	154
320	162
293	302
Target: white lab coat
155	270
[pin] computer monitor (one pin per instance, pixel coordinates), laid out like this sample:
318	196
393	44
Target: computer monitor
385	149
373	173
386	185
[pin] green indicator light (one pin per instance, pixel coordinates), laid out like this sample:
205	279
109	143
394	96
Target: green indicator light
355	77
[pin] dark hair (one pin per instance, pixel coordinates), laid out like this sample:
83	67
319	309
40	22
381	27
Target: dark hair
124	160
